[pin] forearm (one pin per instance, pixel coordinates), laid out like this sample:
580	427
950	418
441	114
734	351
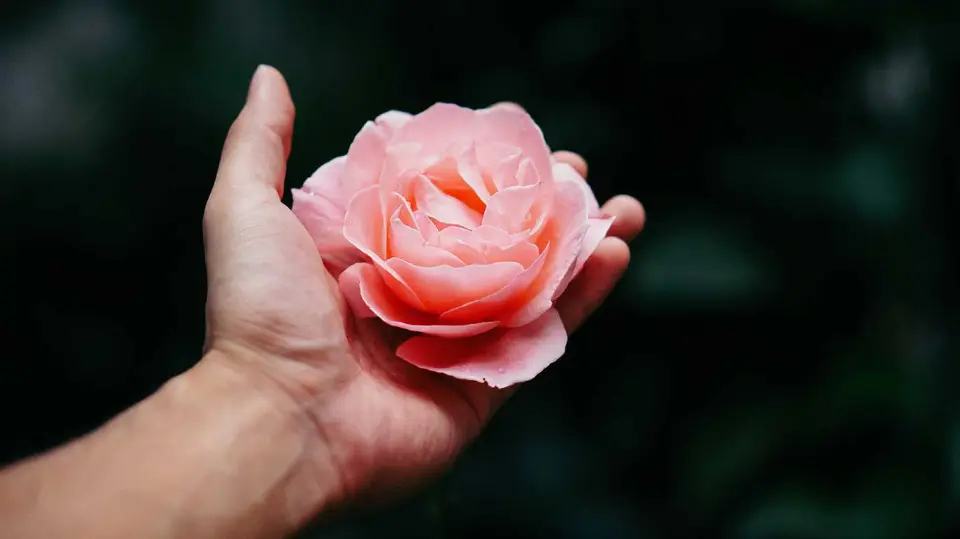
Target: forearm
210	455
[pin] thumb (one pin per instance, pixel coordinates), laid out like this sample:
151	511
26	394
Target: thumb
254	159
249	183
255	153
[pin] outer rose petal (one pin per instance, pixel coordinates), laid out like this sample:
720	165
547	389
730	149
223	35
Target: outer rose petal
349	282
341	178
438	128
402	163
368	296
324	221
595	233
365	157
500	358
365	223
328	180
562	172
393	120
335	183
565	232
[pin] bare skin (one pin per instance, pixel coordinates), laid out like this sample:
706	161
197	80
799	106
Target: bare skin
296	408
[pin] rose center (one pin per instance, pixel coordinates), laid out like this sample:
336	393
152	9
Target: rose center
445	176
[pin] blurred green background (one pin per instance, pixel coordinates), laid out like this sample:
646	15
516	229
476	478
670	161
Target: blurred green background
777	363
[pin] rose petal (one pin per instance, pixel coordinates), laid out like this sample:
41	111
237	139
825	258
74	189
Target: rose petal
498	246
407	243
502	161
527	174
469	169
363	227
368	295
428	229
506	125
442	207
437	128
563	172
349	282
492	235
565	231
486	244
511	209
506	172
500	358
462	243
393	120
401	165
505	300
522	252
365	157
320	206
596	231
446	175
441	288
329	181
460	172
324	222
543	206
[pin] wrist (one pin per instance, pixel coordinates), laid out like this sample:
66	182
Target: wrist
279	462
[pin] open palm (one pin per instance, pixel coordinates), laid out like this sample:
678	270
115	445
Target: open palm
272	308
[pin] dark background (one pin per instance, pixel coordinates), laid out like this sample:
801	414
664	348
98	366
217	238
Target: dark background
777	361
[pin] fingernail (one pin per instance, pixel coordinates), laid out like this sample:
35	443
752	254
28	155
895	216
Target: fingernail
256	82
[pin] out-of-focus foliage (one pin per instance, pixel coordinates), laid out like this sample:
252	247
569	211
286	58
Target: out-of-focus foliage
777	362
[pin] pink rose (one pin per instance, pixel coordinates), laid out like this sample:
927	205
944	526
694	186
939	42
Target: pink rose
458	225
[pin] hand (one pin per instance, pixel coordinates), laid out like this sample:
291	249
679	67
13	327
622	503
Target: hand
273	311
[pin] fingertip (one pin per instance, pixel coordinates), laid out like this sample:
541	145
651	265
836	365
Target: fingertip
610	260
257	81
267	84
259	141
270	100
615	251
630	216
590	288
575	160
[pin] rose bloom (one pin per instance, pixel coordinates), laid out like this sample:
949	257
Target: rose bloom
457	225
